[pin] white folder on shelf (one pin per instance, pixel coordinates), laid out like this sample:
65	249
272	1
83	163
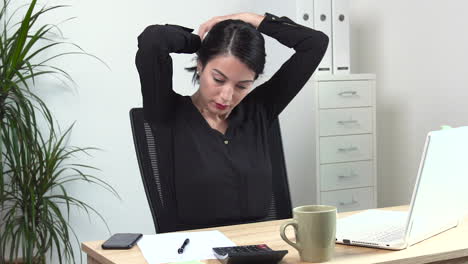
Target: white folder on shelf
305	12
340	36
323	22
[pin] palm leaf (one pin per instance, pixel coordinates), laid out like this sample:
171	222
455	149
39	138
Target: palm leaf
35	165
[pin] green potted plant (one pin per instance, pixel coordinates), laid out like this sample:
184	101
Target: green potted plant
36	163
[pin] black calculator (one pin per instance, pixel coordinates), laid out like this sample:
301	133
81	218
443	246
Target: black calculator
253	254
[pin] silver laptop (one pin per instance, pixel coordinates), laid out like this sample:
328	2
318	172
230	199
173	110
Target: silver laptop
438	203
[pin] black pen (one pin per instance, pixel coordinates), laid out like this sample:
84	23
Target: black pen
181	249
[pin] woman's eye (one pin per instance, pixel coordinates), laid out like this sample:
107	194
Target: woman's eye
218	80
241	87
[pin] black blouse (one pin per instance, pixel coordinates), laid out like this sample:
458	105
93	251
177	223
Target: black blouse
220	177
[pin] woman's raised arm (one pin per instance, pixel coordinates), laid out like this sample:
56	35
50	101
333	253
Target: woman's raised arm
309	45
154	66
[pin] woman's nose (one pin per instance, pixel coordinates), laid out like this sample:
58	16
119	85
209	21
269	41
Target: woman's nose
226	93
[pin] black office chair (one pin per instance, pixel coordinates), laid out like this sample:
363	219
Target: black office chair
159	192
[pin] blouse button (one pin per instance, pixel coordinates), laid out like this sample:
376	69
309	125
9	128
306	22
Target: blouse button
226	142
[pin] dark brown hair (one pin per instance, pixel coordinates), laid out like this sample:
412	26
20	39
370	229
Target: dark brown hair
234	37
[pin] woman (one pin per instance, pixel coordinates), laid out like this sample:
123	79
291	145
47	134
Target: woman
218	159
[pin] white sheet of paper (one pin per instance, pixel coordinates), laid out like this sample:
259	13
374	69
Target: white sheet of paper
162	248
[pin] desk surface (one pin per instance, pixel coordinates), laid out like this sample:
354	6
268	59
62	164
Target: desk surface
449	247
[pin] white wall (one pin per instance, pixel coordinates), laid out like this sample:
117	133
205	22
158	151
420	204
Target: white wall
418	49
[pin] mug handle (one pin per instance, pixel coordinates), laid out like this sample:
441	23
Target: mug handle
283	234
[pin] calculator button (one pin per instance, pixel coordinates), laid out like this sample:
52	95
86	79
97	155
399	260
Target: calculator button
252	254
252	248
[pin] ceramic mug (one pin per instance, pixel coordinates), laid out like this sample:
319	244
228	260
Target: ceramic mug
315	231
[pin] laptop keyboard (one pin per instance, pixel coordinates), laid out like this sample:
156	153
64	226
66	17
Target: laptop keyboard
388	234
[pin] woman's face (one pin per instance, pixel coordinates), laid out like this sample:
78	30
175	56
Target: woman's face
224	82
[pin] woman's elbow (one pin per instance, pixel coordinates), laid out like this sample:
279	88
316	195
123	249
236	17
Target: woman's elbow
316	42
151	36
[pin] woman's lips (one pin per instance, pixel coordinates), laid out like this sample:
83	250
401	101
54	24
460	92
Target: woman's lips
221	106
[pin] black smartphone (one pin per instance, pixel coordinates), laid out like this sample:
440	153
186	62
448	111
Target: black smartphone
121	241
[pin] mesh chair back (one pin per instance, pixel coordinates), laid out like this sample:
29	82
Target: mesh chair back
158	188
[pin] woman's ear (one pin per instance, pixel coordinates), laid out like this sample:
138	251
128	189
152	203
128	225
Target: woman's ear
199	67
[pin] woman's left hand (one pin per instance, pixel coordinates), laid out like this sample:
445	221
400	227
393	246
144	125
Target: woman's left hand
252	18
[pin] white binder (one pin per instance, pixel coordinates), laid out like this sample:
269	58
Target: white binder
305	12
340	36
323	22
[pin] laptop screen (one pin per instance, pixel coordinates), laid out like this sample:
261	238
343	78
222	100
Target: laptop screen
439	199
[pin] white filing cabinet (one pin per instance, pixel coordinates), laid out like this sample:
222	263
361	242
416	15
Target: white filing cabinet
345	121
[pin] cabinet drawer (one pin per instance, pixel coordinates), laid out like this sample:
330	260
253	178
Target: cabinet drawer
346	175
345	148
345	121
349	200
339	94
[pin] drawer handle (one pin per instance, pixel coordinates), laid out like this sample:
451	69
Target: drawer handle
352	203
348	149
344	122
345	177
347	94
